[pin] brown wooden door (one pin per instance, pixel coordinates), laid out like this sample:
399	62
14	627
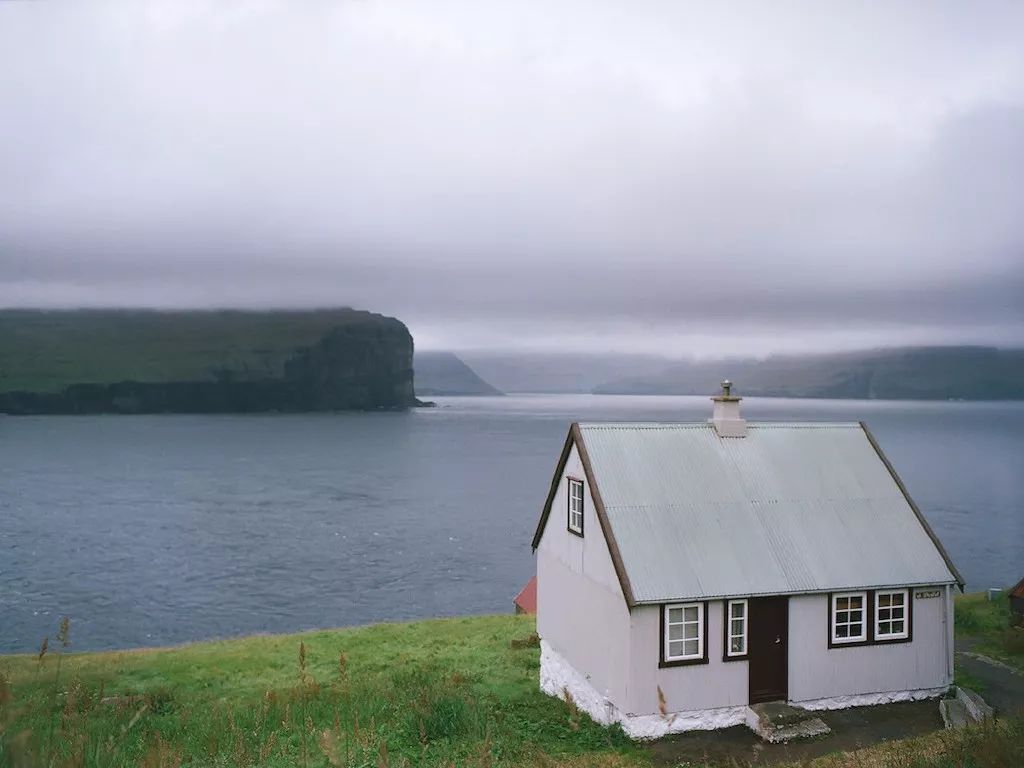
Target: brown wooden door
769	649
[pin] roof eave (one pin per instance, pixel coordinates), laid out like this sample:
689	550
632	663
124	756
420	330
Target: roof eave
796	592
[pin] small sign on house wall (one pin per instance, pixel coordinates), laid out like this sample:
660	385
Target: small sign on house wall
926	593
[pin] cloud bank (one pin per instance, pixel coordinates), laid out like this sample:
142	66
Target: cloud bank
683	177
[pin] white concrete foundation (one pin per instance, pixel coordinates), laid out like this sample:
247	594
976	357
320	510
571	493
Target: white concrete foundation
558	678
870	699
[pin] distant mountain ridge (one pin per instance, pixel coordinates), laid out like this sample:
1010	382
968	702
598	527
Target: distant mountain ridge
444	373
147	361
563	372
909	373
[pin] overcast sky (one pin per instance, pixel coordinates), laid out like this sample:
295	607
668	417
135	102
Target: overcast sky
691	178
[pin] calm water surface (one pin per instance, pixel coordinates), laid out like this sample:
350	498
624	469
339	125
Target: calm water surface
150	530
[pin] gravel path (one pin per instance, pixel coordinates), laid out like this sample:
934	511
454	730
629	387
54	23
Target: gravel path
1004	685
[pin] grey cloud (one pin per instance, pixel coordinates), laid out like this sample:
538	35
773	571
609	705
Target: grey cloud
675	171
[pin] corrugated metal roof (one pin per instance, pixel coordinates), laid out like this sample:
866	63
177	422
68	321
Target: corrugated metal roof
790	508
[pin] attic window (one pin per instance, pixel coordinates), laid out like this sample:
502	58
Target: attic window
576	506
849	617
891	615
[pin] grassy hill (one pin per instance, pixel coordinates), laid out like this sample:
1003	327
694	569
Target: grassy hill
433	693
46	351
319	354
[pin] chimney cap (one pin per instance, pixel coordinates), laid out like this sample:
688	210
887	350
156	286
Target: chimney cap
727	395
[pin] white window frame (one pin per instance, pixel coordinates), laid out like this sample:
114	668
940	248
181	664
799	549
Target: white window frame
699	655
905	618
864	608
729	634
574	509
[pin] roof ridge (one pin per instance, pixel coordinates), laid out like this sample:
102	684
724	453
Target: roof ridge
708	425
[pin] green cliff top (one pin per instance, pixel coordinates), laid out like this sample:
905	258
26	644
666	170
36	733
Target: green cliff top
46	351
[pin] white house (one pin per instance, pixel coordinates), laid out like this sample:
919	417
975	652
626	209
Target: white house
687	571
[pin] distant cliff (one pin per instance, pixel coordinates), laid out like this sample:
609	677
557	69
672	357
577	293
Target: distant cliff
139	361
443	373
912	373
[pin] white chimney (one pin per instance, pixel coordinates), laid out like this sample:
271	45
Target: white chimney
726	414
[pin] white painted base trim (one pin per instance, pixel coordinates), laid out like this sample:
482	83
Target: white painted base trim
870	699
558	677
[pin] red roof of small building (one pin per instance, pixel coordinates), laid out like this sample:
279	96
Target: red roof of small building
1018	591
526	600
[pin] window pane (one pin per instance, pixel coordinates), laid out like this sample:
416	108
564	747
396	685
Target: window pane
884	627
842	617
884	614
690	613
855	602
690	631
736	645
675	649
855	630
884	601
675	631
690	647
898	598
842	603
675	614
737	626
737	610
841	631
897	627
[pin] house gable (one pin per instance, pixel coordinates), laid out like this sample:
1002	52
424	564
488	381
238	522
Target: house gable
574	440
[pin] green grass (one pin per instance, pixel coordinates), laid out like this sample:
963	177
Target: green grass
442	692
459	692
44	351
988	622
998	744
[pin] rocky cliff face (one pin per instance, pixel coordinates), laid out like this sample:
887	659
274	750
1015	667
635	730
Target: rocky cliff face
354	361
355	367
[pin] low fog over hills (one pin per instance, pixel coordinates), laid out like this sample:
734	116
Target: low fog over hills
927	373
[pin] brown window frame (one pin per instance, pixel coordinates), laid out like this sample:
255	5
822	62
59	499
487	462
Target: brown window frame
568	505
662	662
870	614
